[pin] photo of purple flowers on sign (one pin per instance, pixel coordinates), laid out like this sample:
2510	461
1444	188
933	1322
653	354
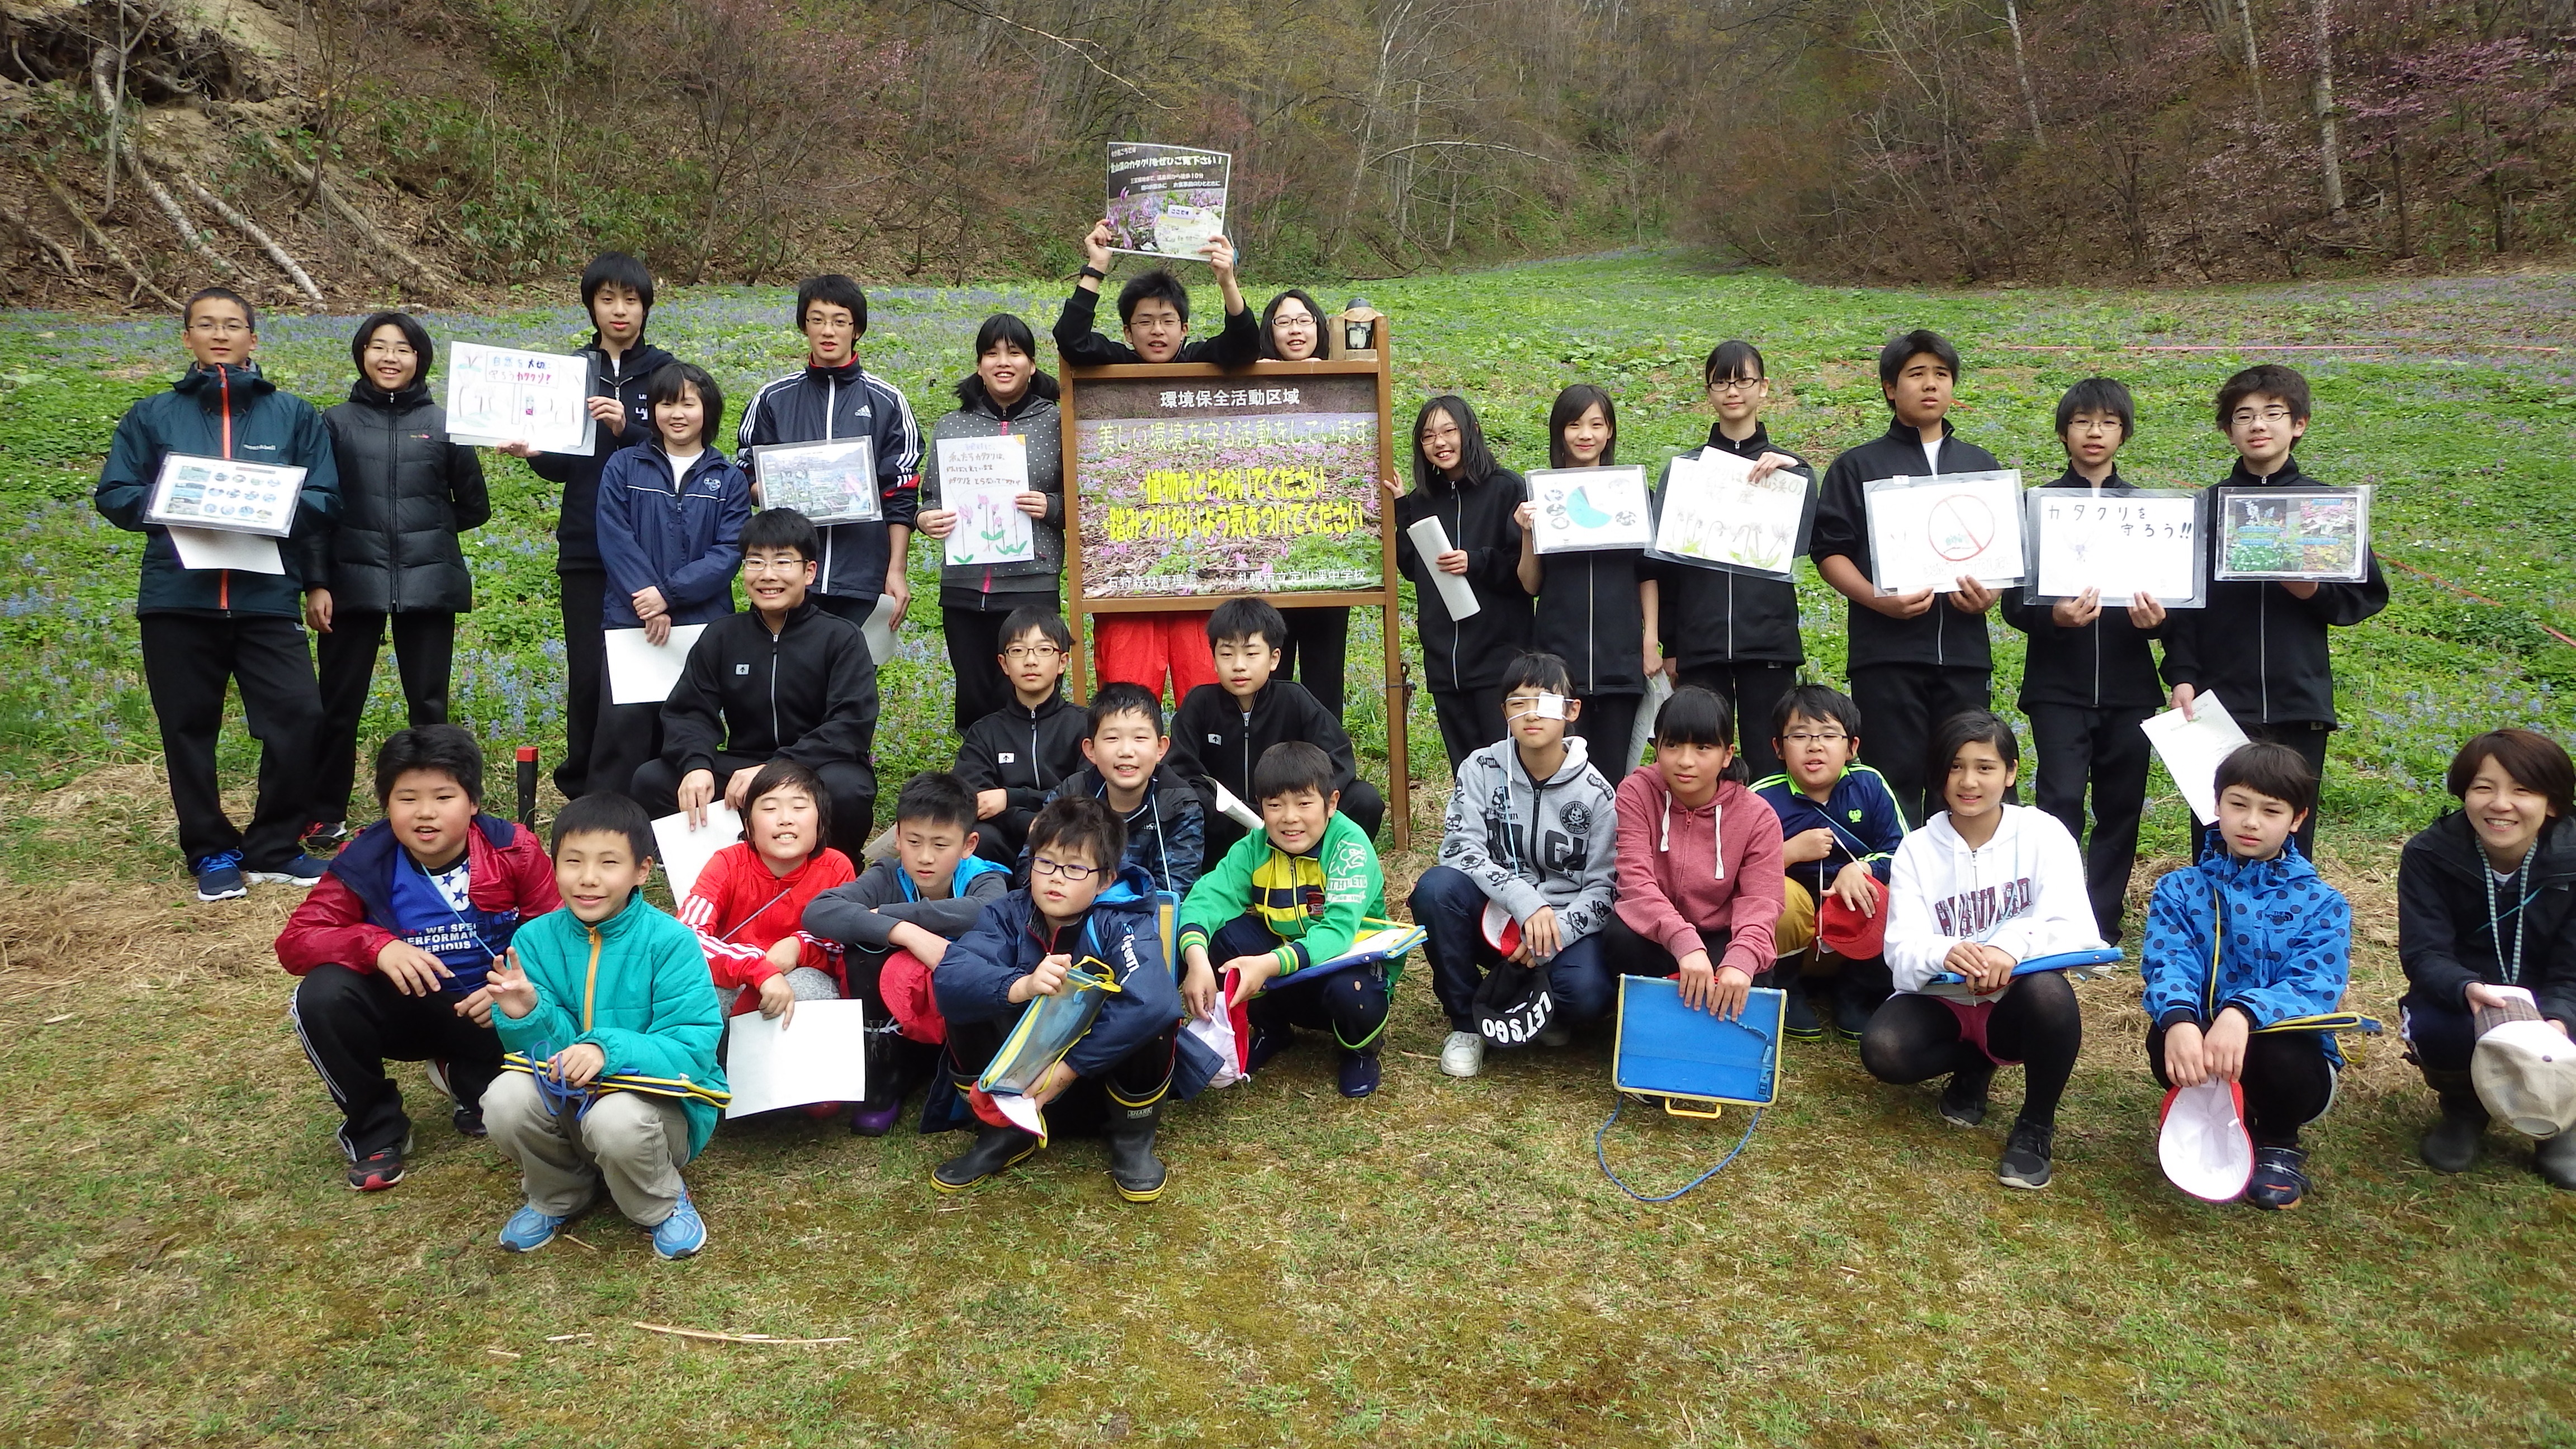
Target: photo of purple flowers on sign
1165	201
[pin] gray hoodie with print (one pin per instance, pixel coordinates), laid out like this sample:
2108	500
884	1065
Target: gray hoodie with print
1531	843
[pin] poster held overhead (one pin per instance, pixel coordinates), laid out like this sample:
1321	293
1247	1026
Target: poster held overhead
2123	544
1715	515
498	395
1928	533
1165	201
981	480
2313	535
1578	510
829	482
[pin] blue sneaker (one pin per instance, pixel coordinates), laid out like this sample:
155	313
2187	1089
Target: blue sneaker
528	1229
298	870
682	1233
1359	1074
1267	1043
219	877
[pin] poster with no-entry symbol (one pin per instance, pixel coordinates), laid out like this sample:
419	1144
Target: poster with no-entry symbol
1928	533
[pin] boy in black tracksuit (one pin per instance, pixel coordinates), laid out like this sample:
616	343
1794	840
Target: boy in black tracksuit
2090	676
1919	658
1463	660
2279	682
1017	756
1221	730
1154	313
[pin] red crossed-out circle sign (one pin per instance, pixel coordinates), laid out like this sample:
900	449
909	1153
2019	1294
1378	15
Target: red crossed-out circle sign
1960	527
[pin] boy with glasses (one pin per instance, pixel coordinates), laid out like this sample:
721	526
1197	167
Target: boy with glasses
1017	756
1840	825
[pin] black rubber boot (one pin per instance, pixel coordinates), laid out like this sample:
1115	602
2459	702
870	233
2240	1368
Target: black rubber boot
1859	991
2555	1160
2452	1144
1132	1164
995	1148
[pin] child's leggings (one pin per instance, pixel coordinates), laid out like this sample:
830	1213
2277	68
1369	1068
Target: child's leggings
1914	1038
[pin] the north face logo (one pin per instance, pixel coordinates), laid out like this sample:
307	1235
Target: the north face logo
742	669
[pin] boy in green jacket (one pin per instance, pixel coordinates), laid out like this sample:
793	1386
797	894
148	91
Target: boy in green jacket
1285	902
610	1022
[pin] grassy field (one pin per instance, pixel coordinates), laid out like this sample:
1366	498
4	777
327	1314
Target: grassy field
1441	1265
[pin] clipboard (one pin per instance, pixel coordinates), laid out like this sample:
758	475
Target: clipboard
1666	1049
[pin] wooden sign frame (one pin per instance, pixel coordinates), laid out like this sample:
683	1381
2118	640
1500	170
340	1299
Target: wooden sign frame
1079	606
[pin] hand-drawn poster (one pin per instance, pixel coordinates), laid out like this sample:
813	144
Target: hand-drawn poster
981	480
1165	201
1213	486
2122	544
1713	514
828	482
1928	533
499	395
2317	534
1580	510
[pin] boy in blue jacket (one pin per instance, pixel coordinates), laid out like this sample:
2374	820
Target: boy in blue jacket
203	628
1081	909
671	514
611	1026
1839	829
2241	943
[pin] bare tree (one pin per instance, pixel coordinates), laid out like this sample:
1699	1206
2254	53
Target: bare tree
2330	157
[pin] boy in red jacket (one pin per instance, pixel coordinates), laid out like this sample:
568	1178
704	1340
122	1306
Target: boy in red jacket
394	942
748	905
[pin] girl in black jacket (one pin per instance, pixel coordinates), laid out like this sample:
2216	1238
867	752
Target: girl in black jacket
1592	606
1456	480
406	492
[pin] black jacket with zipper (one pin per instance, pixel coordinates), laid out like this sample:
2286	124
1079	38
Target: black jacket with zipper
1588	615
1079	342
1025	753
2260	649
2107	664
1940	635
406	492
1216	741
1459	656
2445	938
1718	616
1035	418
577	522
807	693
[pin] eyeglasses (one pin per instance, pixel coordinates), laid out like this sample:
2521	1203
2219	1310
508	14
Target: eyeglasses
1807	739
389	349
2268	415
1019	653
219	327
1736	384
774	565
1048	865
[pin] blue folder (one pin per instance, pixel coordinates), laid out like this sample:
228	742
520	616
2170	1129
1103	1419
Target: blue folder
1668	1050
2082	965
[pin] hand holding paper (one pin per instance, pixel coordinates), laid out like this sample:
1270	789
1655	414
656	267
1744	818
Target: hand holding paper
2191	745
686	851
1431	541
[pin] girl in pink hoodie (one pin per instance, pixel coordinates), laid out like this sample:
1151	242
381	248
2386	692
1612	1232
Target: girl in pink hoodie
1699	864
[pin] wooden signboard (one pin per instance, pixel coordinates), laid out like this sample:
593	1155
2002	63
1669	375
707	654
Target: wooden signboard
1187	484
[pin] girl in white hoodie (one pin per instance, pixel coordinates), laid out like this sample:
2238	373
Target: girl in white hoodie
1982	887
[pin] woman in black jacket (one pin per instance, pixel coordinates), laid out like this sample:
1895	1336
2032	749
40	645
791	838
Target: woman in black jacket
2484	899
1457	481
407	493
1293	329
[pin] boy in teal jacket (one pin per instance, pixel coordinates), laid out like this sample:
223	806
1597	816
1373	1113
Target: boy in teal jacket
611	1023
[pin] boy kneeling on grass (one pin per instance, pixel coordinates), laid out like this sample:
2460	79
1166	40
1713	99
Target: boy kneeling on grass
2247	938
394	943
612	1024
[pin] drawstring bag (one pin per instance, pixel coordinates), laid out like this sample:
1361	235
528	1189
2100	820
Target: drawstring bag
1513	1006
2202	1143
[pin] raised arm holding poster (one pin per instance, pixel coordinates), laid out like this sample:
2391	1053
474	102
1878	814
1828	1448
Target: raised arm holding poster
1165	201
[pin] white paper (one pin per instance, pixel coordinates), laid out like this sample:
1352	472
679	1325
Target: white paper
819	1056
641	672
2191	750
1026	1115
1576	510
216	548
2120	544
685	852
981	480
1431	540
225	494
499	395
1235	810
833	481
1926	533
1713	511
879	629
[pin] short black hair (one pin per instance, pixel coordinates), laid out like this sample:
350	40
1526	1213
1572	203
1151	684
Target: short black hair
936	797
782	773
1903	349
1543	672
448	749
1292	767
1323	326
2535	761
605	812
1146	286
1475	460
2265	379
1733	360
1000	328
1081	823
1695	716
423	350
1240	619
2099	395
1571	404
621	269
1818	702
1123	697
666	382
1970	727
188	309
1049	624
2268	768
836	290
782	528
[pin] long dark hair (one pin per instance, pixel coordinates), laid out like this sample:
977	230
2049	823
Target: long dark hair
1323	328
1475	460
999	328
1573	403
418	336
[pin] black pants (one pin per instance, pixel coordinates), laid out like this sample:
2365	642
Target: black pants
629	738
999	837
1901	706
851	786
2288	1079
1605	727
1753	688
1470	719
1363	802
2440	1036
2106	748
584	605
974	652
1351	1004
353	1022
1915	1038
1317	652
1139	1079
187	660
424	653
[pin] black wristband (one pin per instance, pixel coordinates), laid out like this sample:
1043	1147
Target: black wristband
1093	272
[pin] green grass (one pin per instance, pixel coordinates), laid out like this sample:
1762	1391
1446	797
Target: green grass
1441	1265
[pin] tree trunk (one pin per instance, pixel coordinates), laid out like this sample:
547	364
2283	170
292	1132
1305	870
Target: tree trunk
2029	98
2397	183
2329	154
2253	58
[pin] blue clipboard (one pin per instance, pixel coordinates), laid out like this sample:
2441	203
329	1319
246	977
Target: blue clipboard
1666	1049
2082	965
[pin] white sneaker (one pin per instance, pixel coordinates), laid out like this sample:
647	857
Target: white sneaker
1463	1054
1556	1036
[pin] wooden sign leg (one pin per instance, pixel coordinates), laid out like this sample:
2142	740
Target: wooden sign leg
1399	782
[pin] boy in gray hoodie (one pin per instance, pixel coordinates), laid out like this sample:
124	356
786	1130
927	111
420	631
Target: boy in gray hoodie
1532	830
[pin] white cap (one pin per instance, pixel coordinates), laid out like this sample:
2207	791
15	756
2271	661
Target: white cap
2525	1072
2203	1145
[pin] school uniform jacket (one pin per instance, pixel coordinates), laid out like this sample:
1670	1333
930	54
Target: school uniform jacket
1458	656
2268	937
1025	753
1860	810
2446	938
1215	741
684	541
739	909
1717	616
823	403
2022	893
1079	342
2262	651
1940	635
1530	844
577	523
406	492
1122	931
1587	614
807	693
349	915
2107	664
1166	835
864	913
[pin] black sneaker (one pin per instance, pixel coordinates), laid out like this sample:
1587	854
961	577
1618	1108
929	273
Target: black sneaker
1963	1101
2025	1159
1798	1016
379	1170
1851	1017
1267	1044
2278	1181
469	1122
325	837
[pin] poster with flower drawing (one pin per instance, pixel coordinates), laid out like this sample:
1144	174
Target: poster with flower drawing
1165	201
